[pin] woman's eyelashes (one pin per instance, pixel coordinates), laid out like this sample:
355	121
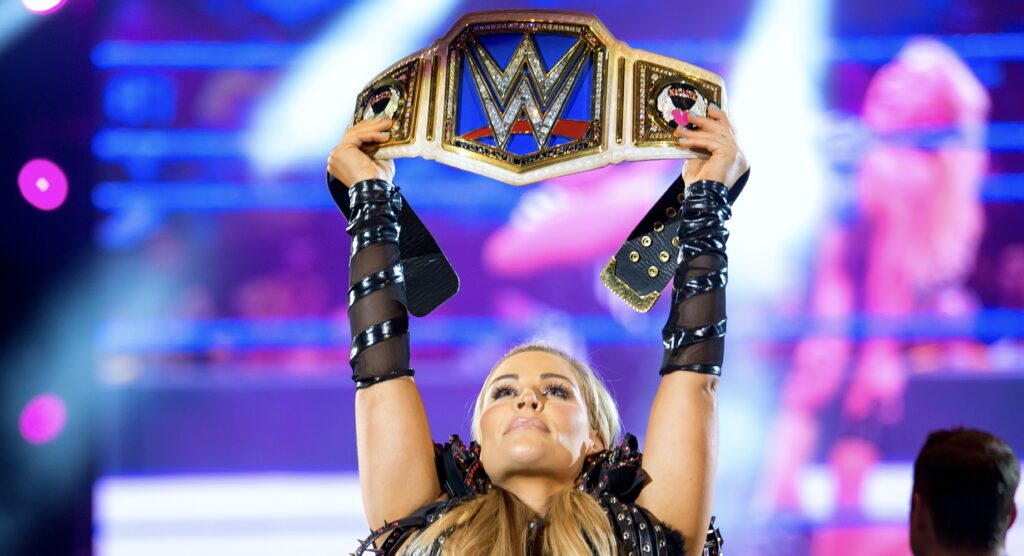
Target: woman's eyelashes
502	391
557	390
551	390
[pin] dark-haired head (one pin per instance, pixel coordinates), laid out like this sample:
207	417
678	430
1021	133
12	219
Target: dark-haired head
964	482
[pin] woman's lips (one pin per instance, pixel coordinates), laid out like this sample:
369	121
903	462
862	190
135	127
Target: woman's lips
520	423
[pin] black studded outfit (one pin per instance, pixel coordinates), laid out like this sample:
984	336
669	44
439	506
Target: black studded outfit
692	338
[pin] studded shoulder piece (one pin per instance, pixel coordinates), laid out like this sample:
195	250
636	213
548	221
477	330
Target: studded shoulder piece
459	469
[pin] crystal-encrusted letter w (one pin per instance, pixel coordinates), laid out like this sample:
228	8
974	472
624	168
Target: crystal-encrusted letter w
514	92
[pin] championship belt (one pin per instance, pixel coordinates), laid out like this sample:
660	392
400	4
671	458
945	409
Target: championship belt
528	95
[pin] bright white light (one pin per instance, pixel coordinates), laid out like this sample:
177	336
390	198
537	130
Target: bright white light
42	6
886	494
776	103
252	514
817	488
303	119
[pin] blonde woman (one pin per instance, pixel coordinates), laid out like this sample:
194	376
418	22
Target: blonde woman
546	472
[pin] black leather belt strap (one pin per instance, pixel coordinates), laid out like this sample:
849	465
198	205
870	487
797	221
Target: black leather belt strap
429	278
648	259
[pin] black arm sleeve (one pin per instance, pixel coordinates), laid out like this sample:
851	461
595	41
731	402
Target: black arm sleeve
694	334
376	297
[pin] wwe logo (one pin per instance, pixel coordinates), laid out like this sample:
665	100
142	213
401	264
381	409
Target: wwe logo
516	95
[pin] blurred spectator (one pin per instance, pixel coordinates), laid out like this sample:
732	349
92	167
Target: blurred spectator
964	482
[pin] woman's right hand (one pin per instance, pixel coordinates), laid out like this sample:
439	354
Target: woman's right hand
350	164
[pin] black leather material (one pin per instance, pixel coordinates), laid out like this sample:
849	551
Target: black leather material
680	338
698	293
430	279
373	380
737	187
637	275
700	368
657	229
378	333
374	282
702	284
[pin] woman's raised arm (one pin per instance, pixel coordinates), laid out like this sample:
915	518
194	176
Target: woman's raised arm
682	432
396	455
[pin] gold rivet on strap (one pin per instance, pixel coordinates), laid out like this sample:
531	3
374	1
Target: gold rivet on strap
634	256
681	197
658	226
645	241
663	256
652	271
670	212
675	242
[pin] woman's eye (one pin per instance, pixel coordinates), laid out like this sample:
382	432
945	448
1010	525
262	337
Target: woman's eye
557	391
502	391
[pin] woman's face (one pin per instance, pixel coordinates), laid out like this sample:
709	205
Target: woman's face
534	419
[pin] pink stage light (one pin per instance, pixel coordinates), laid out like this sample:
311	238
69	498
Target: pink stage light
43	184
42	7
42	419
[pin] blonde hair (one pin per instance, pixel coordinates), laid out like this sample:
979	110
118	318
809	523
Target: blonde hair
495	523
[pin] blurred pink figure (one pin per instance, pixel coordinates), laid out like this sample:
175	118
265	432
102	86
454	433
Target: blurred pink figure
579	221
575	219
918	228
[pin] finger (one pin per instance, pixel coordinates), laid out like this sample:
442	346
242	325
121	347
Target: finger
707	143
708	134
704	122
722	116
374	122
359	138
718	114
371	124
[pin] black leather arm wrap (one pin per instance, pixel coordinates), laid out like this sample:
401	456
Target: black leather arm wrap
694	335
377	311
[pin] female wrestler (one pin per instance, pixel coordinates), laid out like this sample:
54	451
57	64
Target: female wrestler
544	474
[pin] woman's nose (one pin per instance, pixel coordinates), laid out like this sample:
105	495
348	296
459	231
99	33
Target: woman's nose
528	397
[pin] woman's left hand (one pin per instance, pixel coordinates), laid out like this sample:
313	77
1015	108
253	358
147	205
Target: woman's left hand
716	137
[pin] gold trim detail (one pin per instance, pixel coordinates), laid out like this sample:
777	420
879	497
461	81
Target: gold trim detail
588	48
620	94
639	303
647	79
406	78
432	99
531	89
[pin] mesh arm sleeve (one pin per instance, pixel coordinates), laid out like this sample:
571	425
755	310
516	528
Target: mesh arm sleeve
377	312
694	336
